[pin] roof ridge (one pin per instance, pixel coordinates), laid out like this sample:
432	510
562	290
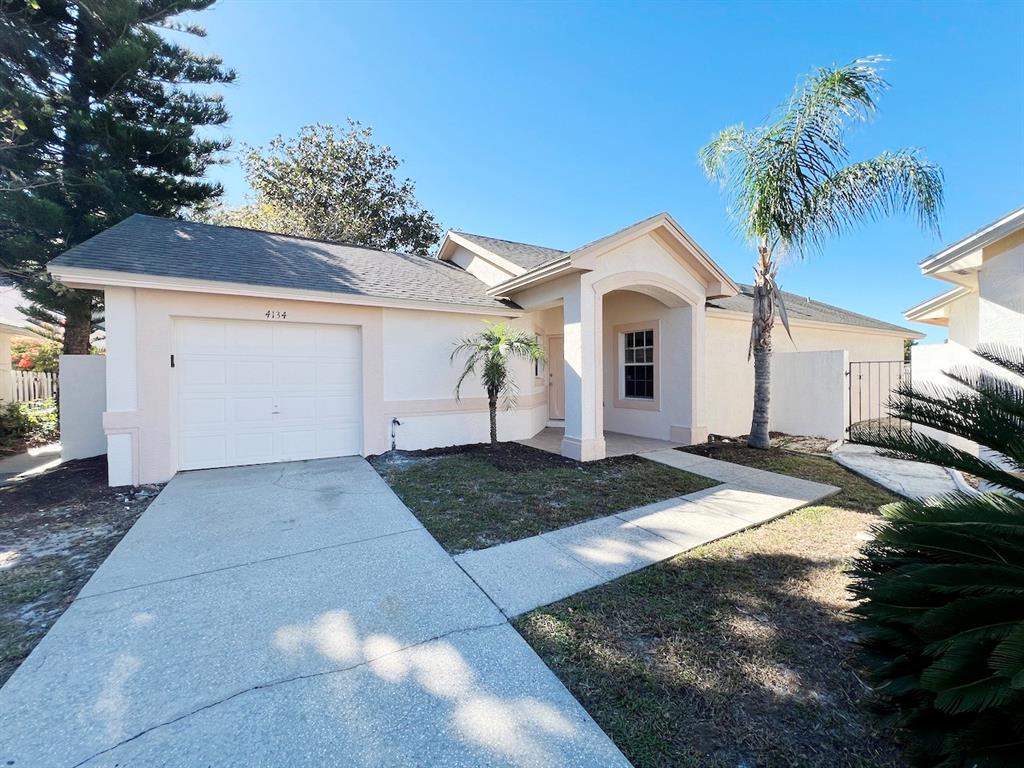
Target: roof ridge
504	240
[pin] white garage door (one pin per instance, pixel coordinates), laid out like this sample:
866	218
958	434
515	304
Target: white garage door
256	392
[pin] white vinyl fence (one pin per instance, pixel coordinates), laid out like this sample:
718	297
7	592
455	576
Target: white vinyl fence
25	386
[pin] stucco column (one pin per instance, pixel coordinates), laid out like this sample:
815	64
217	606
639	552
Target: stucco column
584	416
122	388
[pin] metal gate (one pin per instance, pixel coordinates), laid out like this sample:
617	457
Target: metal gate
872	383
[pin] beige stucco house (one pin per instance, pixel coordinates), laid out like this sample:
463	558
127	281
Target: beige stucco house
985	303
13	325
228	346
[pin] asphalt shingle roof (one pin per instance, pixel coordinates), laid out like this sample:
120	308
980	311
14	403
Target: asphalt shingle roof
521	254
805	308
151	245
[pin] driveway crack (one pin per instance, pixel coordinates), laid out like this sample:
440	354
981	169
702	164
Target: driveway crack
284	681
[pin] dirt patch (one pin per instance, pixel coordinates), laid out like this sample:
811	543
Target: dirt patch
56	529
508	457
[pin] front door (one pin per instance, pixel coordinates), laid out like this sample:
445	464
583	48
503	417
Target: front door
556	377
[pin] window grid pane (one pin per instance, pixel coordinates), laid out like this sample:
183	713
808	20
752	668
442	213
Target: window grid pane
638	364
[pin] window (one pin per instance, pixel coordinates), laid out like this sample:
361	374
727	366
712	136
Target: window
638	364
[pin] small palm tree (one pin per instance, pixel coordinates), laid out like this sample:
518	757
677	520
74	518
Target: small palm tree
792	188
490	351
941	585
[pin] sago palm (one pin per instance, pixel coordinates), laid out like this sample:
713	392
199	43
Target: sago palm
489	354
792	188
941	585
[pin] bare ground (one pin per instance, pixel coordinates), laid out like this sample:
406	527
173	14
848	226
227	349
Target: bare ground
55	528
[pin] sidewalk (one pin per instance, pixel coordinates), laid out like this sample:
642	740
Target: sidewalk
31	462
526	574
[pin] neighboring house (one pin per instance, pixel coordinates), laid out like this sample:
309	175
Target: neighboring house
13	324
984	306
228	346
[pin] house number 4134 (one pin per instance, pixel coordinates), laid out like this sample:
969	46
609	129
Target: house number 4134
275	314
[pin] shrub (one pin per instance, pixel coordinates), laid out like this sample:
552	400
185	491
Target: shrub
941	616
35	422
32	355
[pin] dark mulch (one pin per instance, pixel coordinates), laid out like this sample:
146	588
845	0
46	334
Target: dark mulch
476	496
56	529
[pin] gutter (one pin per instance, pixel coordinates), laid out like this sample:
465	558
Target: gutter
553	269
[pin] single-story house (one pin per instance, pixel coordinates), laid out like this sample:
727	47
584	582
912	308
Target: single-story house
13	325
985	304
229	346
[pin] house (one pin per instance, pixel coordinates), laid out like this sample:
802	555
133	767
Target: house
229	346
13	324
985	304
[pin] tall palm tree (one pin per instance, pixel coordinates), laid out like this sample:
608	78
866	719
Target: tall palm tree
490	351
792	188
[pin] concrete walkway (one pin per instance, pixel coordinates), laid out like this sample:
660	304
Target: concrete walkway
529	573
31	462
287	615
911	479
550	439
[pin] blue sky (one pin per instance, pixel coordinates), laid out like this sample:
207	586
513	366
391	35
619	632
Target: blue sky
555	123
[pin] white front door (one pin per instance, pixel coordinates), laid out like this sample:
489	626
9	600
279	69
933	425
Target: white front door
556	377
252	392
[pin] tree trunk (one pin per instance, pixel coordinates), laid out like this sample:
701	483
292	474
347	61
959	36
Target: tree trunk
77	323
763	322
492	406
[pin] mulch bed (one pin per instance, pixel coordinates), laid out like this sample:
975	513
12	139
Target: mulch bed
56	529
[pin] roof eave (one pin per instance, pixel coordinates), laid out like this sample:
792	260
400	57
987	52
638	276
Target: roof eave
919	313
999	229
897	331
97	279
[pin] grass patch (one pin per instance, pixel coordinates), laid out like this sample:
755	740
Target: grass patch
735	653
473	497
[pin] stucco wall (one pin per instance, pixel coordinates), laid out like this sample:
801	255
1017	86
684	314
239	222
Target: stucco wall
963	321
819	410
406	375
730	376
419	383
83	395
1001	293
672	369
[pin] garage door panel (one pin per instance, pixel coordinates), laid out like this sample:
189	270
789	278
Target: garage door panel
336	407
248	410
202	373
202	337
203	411
253	447
250	374
253	392
250	339
343	376
298	374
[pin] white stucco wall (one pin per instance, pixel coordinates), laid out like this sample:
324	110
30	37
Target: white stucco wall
730	376
1000	303
673	368
963	321
809	393
419	383
83	394
484	270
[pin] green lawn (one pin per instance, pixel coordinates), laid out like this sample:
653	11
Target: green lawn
473	497
737	653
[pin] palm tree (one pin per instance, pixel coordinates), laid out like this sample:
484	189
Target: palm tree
940	587
793	188
490	351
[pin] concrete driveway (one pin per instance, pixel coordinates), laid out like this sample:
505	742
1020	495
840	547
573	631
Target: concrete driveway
287	615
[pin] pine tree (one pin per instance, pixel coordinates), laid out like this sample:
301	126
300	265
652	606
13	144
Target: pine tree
99	119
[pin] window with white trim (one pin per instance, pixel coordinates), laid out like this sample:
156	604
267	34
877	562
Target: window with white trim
638	364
